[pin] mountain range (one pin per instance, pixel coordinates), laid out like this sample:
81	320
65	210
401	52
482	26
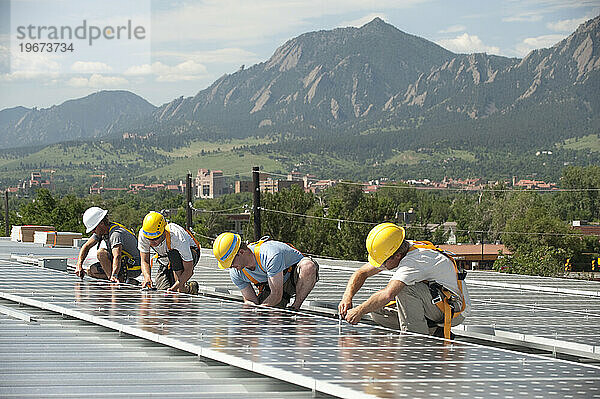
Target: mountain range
94	116
364	93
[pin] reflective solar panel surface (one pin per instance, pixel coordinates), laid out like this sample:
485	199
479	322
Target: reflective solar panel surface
538	316
548	284
51	356
312	351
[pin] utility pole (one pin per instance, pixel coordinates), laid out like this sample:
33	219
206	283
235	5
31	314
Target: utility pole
188	205
256	202
481	265
6	226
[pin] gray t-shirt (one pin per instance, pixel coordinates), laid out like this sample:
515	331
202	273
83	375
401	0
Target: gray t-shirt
118	235
427	265
275	256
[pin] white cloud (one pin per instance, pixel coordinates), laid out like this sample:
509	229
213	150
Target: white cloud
78	82
90	67
532	16
139	70
357	23
250	22
566	25
4	58
454	29
98	81
466	43
187	70
223	55
26	75
34	62
28	66
532	43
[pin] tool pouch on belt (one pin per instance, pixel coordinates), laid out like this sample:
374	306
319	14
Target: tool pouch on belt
437	295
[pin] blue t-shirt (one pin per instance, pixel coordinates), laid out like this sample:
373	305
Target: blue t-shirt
275	256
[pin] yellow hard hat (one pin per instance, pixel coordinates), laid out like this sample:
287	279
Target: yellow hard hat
153	225
383	240
225	247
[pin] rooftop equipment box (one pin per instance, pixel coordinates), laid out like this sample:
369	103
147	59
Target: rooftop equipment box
26	233
55	238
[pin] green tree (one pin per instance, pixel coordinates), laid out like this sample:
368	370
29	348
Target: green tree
284	227
64	214
585	203
538	261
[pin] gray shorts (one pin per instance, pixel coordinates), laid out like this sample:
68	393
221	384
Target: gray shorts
289	287
165	278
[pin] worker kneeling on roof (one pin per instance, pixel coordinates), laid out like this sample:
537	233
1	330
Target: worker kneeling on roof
429	290
177	252
278	270
116	249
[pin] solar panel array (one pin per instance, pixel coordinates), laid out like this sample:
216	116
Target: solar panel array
316	352
51	356
553	314
547	313
536	283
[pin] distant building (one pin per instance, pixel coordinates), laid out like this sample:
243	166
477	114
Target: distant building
319	186
294	176
136	187
209	183
370	188
155	186
583	227
176	188
273	186
533	184
476	256
36	180
115	189
95	189
243	186
237	221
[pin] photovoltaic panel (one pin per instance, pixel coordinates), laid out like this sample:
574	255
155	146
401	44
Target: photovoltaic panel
547	313
316	352
57	357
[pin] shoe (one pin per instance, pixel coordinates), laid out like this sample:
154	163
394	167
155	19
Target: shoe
192	287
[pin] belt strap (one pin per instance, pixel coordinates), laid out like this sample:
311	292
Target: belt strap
259	286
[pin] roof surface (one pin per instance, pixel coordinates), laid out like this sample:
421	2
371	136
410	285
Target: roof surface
55	356
314	352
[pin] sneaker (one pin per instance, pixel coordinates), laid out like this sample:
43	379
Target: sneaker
192	287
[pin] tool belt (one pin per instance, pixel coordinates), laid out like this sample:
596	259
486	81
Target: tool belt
265	285
449	304
438	293
264	290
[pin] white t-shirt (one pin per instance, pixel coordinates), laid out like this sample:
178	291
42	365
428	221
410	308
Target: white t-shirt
180	240
426	265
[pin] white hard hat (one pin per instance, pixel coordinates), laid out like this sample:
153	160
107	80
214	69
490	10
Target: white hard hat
92	217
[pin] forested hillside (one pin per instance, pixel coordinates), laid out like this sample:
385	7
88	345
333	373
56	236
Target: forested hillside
354	103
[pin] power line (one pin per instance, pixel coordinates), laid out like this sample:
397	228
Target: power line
245	206
429	228
316	217
454	189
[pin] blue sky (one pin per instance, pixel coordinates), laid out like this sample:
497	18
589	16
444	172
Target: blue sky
192	43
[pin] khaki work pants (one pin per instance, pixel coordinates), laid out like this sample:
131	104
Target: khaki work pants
415	307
